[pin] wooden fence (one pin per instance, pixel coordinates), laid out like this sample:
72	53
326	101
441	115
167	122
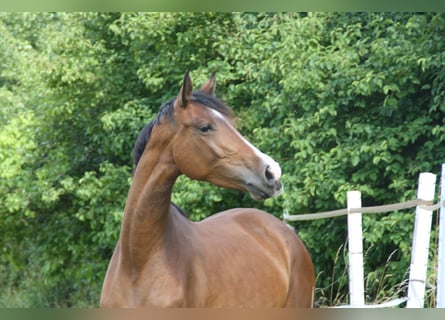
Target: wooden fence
420	243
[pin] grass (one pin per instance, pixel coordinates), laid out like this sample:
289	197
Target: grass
378	287
35	293
13	298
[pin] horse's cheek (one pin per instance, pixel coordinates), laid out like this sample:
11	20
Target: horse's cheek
191	165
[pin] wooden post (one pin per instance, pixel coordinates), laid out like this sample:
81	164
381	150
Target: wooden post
441	246
355	244
421	242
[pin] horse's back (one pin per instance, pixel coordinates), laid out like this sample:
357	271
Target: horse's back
260	256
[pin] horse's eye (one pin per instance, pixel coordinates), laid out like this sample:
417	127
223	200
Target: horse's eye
205	128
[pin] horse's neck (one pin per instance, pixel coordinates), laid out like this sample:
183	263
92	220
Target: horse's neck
146	215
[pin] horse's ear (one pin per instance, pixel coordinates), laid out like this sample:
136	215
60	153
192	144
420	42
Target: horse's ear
209	86
186	91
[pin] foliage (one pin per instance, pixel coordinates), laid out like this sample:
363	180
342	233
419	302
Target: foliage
342	100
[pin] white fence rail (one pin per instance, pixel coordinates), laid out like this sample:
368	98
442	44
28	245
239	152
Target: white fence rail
421	243
420	246
440	298
355	246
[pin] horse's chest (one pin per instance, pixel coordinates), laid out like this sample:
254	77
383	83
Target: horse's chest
159	286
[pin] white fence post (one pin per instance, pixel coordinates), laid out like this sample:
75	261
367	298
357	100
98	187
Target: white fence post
441	245
421	242
355	244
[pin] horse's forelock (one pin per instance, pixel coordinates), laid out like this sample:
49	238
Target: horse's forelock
212	102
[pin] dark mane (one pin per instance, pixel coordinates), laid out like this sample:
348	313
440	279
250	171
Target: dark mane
144	136
166	110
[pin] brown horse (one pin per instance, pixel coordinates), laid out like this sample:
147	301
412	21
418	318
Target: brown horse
237	258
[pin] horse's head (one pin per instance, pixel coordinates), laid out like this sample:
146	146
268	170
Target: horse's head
206	145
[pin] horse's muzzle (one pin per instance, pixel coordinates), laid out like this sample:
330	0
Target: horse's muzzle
267	186
258	193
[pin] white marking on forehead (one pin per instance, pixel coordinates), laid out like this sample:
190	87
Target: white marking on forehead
274	167
217	114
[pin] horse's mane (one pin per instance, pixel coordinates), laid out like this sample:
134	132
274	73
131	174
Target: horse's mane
145	134
166	110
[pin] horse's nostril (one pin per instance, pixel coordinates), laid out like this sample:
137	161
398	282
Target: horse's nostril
269	176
